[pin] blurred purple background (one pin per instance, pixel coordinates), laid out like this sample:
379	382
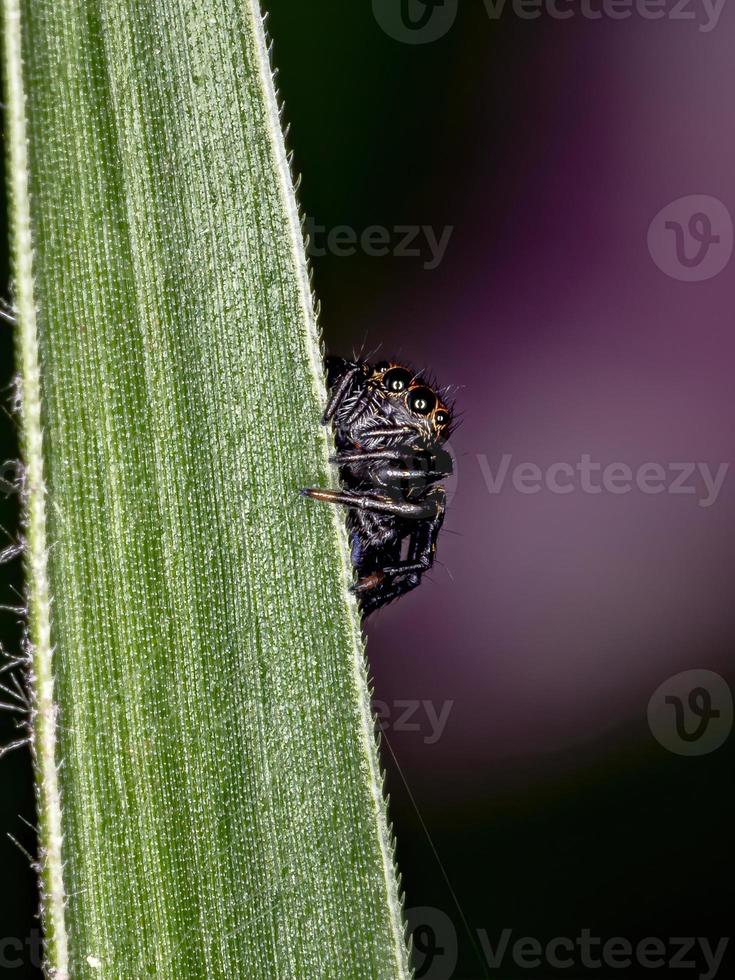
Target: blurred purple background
553	617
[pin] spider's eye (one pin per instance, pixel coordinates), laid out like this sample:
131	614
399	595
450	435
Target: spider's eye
422	401
397	379
441	418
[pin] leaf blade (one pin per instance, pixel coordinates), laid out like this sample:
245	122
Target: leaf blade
214	720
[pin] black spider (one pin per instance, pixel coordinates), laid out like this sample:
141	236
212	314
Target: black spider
389	428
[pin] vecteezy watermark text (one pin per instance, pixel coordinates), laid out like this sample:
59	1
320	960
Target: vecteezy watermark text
411	715
588	476
424	21
435	947
16	953
592	952
420	717
377	241
705	12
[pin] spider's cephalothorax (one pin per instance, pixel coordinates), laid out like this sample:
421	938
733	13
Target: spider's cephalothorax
389	428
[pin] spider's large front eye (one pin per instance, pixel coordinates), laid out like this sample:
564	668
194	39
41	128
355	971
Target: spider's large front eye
422	401
397	379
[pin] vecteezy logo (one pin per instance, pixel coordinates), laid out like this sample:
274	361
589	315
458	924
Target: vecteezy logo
691	239
434	941
415	21
692	712
701	235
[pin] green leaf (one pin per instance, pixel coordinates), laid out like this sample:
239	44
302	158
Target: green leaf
210	798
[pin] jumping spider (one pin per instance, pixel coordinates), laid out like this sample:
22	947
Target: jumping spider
389	428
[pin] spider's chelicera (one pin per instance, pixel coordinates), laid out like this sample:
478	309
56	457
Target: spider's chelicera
389	426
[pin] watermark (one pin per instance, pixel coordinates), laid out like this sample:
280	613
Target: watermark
421	716
691	239
585	475
433	942
589	952
425	21
435	950
378	241
16	953
415	21
692	712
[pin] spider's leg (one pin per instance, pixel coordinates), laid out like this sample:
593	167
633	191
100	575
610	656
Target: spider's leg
391	581
359	406
399	474
407	464
339	394
358	500
404	468
342	459
408	472
422	544
390	432
384	592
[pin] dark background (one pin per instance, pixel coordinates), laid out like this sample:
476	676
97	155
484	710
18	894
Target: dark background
546	806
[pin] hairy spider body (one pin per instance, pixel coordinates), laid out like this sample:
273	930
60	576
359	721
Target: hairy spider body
389	428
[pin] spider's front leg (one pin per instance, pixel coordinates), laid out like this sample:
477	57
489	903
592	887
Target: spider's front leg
391	466
342	378
379	503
